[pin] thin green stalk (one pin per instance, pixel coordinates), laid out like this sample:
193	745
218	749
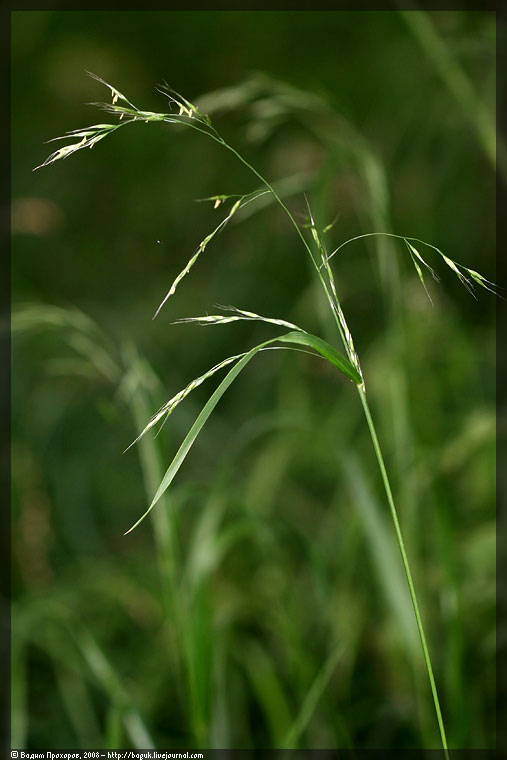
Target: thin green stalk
394	514
362	394
349	346
336	309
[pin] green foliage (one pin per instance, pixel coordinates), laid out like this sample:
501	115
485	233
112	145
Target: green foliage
274	611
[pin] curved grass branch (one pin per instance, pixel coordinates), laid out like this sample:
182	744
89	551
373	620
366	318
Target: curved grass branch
453	265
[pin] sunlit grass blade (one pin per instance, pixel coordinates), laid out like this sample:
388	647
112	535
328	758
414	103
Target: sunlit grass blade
326	350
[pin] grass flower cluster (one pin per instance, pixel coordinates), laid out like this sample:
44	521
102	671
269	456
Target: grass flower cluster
184	114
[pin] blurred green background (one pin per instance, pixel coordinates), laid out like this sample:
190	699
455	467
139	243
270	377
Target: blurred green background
265	604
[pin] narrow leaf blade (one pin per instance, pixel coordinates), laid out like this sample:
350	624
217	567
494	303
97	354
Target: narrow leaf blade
300	338
196	429
326	350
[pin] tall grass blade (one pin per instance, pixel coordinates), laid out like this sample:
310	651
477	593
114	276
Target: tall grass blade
321	346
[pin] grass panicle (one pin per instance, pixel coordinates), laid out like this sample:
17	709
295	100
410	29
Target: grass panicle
183	112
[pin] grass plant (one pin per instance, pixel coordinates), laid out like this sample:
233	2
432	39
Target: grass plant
184	114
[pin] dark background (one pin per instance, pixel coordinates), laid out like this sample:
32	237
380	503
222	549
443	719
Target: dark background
266	604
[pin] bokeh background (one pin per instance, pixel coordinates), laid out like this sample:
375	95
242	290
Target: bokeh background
264	605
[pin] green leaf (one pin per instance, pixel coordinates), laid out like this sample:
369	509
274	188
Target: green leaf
301	338
325	350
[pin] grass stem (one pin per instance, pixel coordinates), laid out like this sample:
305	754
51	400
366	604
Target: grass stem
406	566
333	299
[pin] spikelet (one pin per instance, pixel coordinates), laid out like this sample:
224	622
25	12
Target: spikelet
171	405
89	137
116	94
200	248
335	301
239	314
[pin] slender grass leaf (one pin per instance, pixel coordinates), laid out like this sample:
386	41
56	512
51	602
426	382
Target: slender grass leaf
196	429
325	350
312	341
